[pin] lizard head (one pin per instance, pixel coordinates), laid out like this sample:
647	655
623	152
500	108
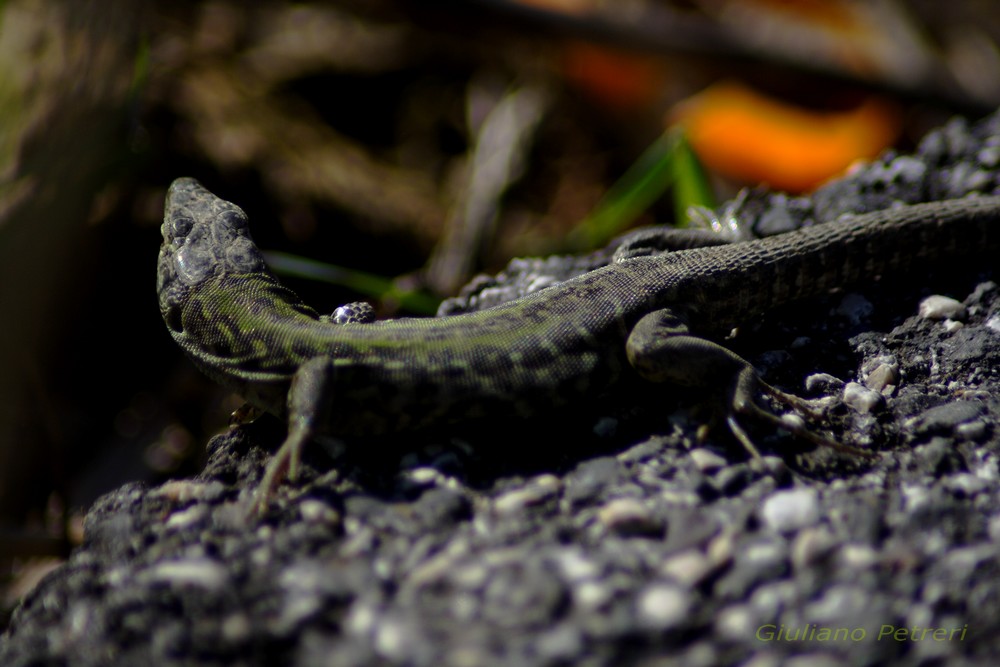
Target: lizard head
203	237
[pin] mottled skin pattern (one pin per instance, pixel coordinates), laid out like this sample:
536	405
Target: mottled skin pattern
574	339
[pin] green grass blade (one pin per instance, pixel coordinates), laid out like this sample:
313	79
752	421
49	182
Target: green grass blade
367	284
691	186
668	162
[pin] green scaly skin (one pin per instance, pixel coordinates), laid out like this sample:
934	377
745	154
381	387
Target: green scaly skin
570	341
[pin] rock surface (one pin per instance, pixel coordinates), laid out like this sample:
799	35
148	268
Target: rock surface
615	535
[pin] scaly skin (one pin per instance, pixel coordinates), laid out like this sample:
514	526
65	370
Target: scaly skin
550	348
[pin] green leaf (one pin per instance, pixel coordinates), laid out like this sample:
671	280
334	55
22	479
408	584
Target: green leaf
691	186
669	161
368	284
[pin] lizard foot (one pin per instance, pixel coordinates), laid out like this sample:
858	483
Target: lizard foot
661	349
284	465
795	422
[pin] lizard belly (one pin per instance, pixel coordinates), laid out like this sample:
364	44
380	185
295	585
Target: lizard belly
386	398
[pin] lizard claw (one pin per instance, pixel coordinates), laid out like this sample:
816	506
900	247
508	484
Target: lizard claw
740	434
284	465
792	422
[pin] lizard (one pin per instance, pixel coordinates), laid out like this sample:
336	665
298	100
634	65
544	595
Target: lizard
648	315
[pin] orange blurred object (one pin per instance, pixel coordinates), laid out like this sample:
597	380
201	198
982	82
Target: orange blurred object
835	15
746	135
617	80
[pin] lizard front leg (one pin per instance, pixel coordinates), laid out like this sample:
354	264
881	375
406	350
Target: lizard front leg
662	349
309	400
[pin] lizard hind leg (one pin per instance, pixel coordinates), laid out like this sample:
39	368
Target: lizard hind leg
662	349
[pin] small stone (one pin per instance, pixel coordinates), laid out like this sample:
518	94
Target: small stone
788	511
235	628
938	307
764	659
536	491
882	372
989	156
316	511
576	566
966	484
469	576
855	556
755	562
394	639
772	596
737	622
974	431
706	460
591	595
187	518
776	219
860	398
993	529
810	546
663	606
951	326
183	491
629	516
441	507
591	479
190	572
560	645
793	422
688	568
721	547
424	476
644	451
944	419
915	498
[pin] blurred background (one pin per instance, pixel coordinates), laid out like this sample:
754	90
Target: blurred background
387	150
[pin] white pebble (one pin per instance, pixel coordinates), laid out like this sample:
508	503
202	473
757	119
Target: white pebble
537	490
664	606
787	511
190	572
884	372
317	511
938	307
706	460
861	398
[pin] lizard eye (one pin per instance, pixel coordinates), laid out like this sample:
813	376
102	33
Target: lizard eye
232	220
180	226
